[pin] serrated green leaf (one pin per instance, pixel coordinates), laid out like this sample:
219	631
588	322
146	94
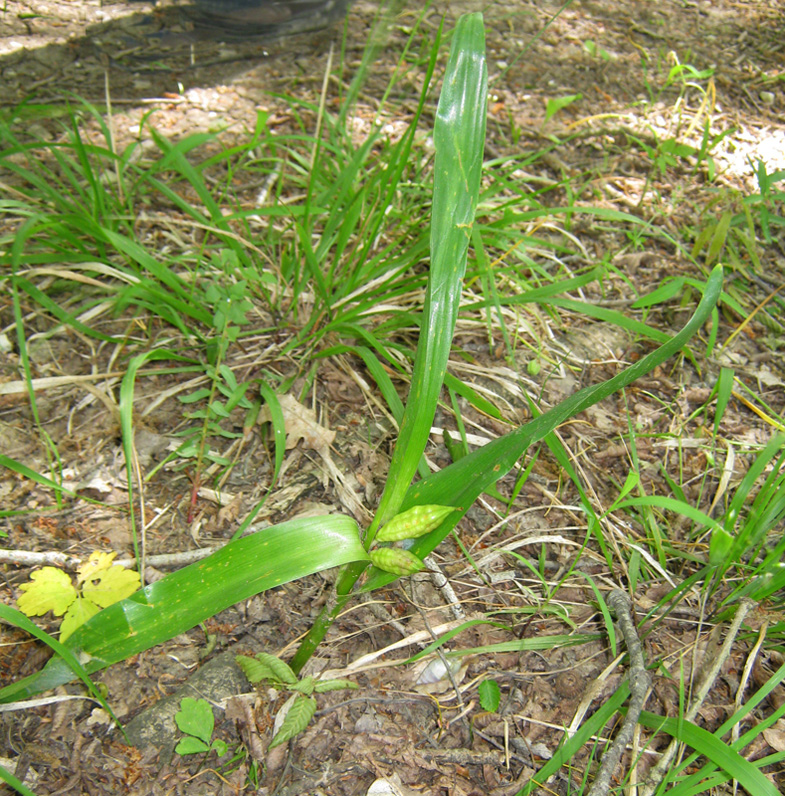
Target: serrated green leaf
191	746
254	671
77	614
323	686
109	586
297	719
49	589
490	695
305	686
280	669
195	717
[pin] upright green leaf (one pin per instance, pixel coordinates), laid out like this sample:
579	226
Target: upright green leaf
459	139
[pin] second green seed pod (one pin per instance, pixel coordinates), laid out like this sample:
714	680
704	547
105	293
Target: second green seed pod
395	560
414	522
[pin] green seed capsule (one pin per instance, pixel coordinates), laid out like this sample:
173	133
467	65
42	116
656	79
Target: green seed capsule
415	522
396	560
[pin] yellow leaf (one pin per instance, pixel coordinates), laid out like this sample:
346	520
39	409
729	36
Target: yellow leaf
98	562
49	589
111	585
80	611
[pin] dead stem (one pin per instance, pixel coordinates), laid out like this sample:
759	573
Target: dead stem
661	770
639	681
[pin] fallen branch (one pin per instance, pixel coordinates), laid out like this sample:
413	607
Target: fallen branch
639	681
660	771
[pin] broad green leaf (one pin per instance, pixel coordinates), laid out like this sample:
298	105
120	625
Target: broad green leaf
297	718
254	670
195	717
490	695
459	140
266	667
185	598
79	612
17	619
462	482
49	589
305	686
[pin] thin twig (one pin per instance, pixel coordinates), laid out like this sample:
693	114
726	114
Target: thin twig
27	558
439	651
639	681
442	585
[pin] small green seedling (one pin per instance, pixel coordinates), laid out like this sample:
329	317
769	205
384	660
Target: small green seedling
555	104
196	721
490	695
301	706
99	583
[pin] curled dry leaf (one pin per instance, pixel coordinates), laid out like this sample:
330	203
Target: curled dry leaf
301	424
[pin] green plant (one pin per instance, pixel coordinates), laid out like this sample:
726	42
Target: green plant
99	584
319	260
291	550
196	721
297	712
736	228
556	104
596	51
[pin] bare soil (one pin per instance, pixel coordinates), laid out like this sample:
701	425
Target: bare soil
150	62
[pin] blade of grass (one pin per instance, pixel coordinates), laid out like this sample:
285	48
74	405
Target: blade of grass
19	786
279	427
127	432
721	754
570	747
23	470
